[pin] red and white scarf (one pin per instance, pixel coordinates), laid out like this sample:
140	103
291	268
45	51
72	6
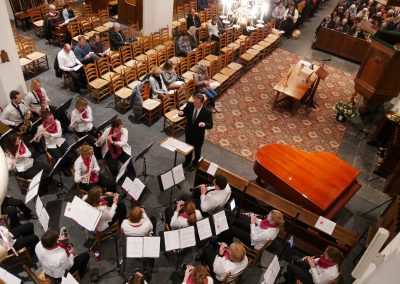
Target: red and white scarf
115	151
94	177
265	224
51	127
325	263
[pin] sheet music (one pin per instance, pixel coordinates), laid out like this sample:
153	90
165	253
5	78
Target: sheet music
151	247
220	222
166	144
187	237
44	219
33	187
77	67
8	277
84	214
204	229
133	188
38	206
69	279
325	225
171	239
178	174
272	271
122	170
134	247
36	179
167	180
182	146
68	210
214	84
212	169
179	83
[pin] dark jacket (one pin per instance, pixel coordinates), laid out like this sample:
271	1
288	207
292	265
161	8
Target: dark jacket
194	40
117	40
193	22
192	130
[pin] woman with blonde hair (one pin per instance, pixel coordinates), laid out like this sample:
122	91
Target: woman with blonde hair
157	85
185	215
81	118
193	275
169	76
37	98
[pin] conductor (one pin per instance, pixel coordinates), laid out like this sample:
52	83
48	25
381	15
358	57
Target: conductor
198	119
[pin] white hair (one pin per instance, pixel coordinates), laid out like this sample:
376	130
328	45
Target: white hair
116	25
52	7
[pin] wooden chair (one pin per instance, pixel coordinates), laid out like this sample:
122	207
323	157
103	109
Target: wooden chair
11	261
255	255
37	20
26	64
85	26
104	69
191	59
161	57
44	8
107	234
172	120
74	31
104	16
126	56
156	39
182	98
232	73
151	62
131	79
38	58
222	79
246	58
105	41
151	110
41	278
87	9
229	280
122	95
98	87
116	62
141	71
166	38
190	88
97	25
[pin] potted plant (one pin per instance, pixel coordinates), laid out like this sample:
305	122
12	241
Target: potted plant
345	110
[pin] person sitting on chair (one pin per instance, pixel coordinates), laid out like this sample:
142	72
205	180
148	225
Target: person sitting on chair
115	148
193	19
83	52
169	76
55	19
37	98
68	12
138	224
278	14
82	118
183	45
10	207
15	112
56	258
192	274
68	62
111	208
117	38
193	39
97	47
18	237
202	82
213	30
87	162
185	215
157	85
314	270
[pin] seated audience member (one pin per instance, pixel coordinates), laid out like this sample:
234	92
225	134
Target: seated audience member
56	258
68	13
362	14
115	148
183	45
344	27
202	82
290	18
19	160
193	19
213	30
15	112
117	38
169	76
202	5
37	98
111	208
213	200
226	260
87	164
11	205
83	52
54	20
185	215
23	235
256	232
193	274
193	39
138	224
157	85
67	62
310	270
97	47
352	11
278	14
56	145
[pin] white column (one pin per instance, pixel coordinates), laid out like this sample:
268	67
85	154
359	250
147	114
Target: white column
157	14
9	10
11	77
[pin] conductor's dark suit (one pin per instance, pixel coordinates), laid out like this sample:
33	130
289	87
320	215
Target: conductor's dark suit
195	134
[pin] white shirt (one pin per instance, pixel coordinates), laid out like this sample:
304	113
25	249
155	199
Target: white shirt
67	61
215	200
296	15
260	236
123	143
80	168
213	29
24	163
324	275
54	261
32	100
178	222
53	140
11	116
223	266
80	124
141	229
107	213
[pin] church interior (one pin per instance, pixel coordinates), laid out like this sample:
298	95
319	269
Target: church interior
303	102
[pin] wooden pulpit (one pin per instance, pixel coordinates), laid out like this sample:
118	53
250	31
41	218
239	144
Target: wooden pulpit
130	12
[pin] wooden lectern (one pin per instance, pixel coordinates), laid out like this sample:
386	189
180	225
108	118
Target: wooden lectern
321	74
130	12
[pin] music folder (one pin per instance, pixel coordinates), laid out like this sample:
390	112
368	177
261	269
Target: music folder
220	222
179	239
133	188
143	247
84	214
171	177
204	229
33	187
8	277
42	214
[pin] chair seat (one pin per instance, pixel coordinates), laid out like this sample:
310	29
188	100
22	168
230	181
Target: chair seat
132	85
131	63
265	43
234	45
235	66
211	57
36	55
247	56
113	3
175	60
124	93
38	23
225	49
205	62
151	51
160	47
258	47
101	29
173	116
151	104
227	71
168	43
273	36
90	34
120	68
108	24
107	76
141	57
98	83
253	51
220	77
24	61
188	75
270	39
243	37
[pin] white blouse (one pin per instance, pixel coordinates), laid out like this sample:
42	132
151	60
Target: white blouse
178	222
23	163
80	124
123	143
53	140
80	168
32	100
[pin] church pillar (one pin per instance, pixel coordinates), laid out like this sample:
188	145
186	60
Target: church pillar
156	14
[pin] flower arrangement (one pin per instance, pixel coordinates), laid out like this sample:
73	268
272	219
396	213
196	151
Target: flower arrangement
346	109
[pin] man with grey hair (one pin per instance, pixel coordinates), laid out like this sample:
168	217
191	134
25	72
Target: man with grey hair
193	39
117	39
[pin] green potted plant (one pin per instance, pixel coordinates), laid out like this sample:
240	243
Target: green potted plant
345	110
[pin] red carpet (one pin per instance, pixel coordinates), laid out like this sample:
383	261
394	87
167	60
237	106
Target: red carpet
247	121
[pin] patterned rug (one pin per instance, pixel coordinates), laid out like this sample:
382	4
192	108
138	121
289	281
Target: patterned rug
247	121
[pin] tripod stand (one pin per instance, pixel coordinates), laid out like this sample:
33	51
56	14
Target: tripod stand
144	173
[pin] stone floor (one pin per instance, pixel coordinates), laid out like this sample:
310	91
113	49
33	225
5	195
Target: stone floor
353	149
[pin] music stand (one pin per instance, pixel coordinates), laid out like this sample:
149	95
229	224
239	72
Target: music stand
144	168
104	125
63	107
321	74
61	186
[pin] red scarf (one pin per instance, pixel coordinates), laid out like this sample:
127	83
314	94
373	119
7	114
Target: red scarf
22	148
325	263
51	128
227	254
265	224
94	177
191	281
115	151
103	202
183	214
84	114
61	245
39	93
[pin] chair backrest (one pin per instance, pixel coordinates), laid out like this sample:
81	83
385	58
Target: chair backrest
96	22
136	49
202	16
27	44
191	59
141	70
199	52
130	75
180	12
229	56
104	16
214	68
117	83
103	65
253	38
85	26
44	8
73	29
164	34
193	4
255	255
145	92
41	279
190	87
183	66
242	47
91	72
11	261
237	33
208	47
169	103
161	57
115	59
156	39
105	41
223	40
87	9
146	43
35	14
170	50
182	98
151	62
126	53
229	35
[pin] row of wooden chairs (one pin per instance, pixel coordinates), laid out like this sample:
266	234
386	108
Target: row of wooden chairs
31	60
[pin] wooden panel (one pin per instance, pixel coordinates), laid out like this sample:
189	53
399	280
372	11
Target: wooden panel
128	14
99	4
341	44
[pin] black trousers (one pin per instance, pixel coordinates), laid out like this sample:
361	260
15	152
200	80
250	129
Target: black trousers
299	270
120	211
114	167
239	229
10	206
34	170
106	183
169	212
197	144
58	152
91	139
288	26
209	254
78	77
25	237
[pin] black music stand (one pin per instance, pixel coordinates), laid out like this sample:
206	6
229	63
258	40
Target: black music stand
141	155
5	134
172	188
71	148
104	125
63	107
